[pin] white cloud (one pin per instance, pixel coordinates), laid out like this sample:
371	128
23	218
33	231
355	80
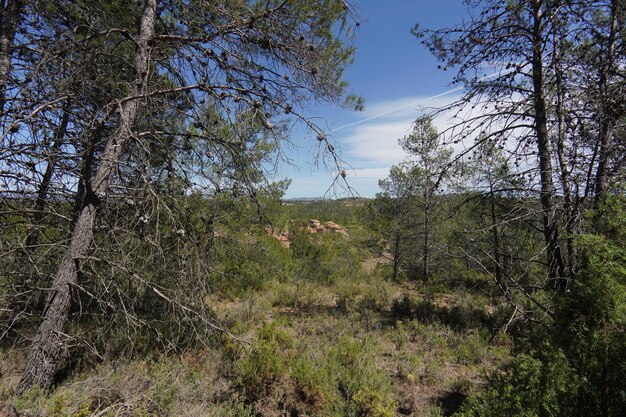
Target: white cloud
377	173
373	141
403	108
370	145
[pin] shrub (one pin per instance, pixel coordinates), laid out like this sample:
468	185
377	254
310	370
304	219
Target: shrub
581	366
464	315
314	385
264	364
325	258
339	378
529	387
365	389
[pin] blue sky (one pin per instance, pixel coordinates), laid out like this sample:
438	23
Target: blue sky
395	75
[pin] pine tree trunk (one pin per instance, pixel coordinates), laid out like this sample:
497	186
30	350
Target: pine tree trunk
10	17
396	256
426	265
550	225
48	348
569	207
44	187
607	118
87	163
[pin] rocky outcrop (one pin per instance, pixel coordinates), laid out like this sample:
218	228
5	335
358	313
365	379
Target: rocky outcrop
334	228
282	237
315	226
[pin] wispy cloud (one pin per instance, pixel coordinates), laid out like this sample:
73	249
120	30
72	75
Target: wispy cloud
372	142
400	108
376	144
376	173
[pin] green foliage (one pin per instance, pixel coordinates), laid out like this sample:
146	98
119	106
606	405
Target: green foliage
313	385
580	369
325	257
266	363
33	399
460	316
233	408
530	387
365	389
591	319
341	379
470	349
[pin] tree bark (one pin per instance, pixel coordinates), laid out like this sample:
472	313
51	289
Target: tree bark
569	207
427	238
396	255
607	120
10	17
550	225
48	349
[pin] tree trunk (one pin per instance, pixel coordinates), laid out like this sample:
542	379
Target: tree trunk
607	120
495	234
426	240
24	281
569	207
42	194
48	349
11	14
550	225
87	163
396	256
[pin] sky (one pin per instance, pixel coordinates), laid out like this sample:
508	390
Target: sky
395	75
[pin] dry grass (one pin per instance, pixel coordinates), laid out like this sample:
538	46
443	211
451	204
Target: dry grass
430	366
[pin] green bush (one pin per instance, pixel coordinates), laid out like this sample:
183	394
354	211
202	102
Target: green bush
325	257
266	362
365	389
338	378
530	386
314	385
581	367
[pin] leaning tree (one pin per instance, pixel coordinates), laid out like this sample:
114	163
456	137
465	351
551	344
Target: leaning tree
190	97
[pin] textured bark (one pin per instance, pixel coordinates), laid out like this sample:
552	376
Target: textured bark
550	225
569	207
608	119
48	348
10	16
426	260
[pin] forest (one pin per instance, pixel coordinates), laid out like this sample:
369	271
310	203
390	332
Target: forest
150	264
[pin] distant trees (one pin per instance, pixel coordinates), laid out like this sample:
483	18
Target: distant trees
494	189
111	110
395	210
409	194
